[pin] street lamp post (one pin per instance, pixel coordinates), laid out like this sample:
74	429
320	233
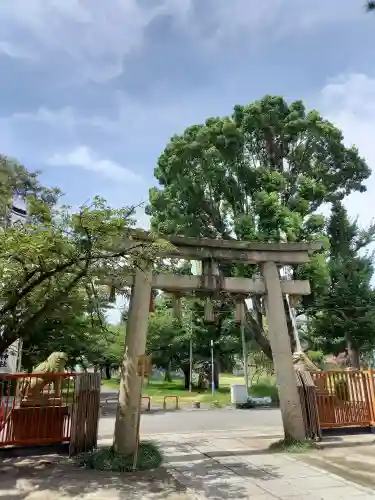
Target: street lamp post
212	368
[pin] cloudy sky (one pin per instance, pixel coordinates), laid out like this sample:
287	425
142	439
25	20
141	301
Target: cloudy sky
92	90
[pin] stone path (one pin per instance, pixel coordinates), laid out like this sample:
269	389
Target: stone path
236	468
198	466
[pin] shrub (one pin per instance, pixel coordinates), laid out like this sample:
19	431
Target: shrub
149	457
317	357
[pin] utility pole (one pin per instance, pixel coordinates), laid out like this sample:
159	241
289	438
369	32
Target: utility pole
191	353
212	368
244	355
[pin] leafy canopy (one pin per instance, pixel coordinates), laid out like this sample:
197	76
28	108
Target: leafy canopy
260	175
344	315
58	258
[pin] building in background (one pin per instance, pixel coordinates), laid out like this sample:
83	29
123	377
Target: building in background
18	211
10	361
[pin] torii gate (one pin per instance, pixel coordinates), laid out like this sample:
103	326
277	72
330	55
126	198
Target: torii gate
269	256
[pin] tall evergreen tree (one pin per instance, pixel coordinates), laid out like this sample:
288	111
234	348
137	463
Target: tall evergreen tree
345	315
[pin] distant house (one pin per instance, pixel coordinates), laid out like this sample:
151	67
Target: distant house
10	360
18	211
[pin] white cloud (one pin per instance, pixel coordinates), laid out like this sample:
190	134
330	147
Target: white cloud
66	118
349	102
12	50
96	36
84	157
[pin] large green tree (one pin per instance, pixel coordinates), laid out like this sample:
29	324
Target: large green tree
344	316
260	175
55	253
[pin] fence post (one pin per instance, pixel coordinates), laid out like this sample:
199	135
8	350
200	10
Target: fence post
371	394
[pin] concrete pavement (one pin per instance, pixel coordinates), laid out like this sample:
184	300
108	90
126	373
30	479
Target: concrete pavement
209	455
223	454
263	421
219	467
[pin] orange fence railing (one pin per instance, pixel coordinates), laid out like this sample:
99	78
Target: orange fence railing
345	398
36	408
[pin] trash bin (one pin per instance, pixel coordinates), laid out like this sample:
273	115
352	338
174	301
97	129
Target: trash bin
238	394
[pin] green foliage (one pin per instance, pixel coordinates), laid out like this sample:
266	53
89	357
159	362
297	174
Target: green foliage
344	316
291	445
15	179
52	266
265	387
260	175
106	459
317	357
168	339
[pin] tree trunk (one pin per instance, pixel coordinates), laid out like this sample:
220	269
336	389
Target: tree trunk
289	324
186	369
108	372
167	376
353	355
217	374
257	333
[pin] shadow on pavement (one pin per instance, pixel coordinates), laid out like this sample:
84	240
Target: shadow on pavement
37	478
220	480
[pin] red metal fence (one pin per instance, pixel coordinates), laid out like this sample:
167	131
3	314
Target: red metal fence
345	398
42	408
36	408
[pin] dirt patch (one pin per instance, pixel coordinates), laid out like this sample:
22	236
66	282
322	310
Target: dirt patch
57	478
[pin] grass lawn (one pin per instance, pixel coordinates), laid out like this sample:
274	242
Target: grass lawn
157	390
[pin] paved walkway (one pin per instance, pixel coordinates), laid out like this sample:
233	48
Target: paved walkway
214	466
235	468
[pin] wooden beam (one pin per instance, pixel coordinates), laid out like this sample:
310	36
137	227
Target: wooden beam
175	283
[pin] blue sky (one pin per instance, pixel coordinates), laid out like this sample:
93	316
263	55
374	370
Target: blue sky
92	91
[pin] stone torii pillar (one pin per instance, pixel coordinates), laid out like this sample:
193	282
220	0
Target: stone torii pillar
290	403
125	436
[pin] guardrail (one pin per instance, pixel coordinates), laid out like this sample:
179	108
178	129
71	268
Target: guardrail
170	397
148	403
